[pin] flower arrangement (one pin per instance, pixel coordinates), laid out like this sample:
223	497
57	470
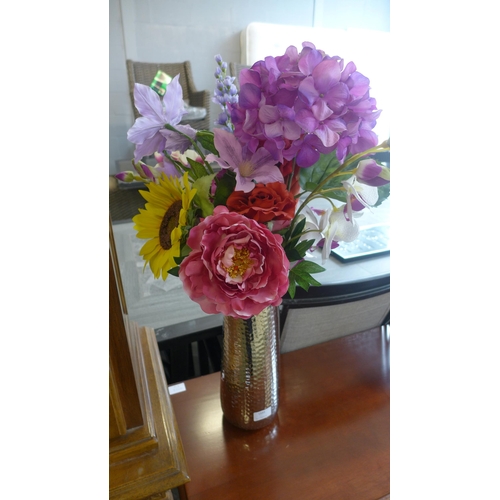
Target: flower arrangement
231	211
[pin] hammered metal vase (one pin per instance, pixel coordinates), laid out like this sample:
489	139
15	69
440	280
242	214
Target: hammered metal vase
249	388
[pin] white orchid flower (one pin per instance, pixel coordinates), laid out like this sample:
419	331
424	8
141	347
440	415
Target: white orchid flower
339	229
328	225
315	224
366	195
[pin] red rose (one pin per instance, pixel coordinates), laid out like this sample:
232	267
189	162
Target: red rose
264	203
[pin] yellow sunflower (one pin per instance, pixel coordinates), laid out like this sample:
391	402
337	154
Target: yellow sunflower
161	222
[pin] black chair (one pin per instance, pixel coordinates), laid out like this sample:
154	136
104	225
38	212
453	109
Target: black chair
190	349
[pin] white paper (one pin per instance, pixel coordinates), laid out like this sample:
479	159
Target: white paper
261	415
174	389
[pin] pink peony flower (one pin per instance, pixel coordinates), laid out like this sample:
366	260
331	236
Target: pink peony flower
237	267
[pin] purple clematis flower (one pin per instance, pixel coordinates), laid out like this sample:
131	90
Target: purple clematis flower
145	133
259	166
178	142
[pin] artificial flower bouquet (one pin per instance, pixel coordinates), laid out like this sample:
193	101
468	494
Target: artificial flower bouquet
231	212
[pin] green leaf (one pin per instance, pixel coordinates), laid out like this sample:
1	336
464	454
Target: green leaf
312	176
185	251
301	275
299	227
225	186
291	288
197	170
309	267
337	191
383	193
174	271
298	252
302	282
206	140
292	255
304	246
309	186
314	282
293	233
203	185
328	165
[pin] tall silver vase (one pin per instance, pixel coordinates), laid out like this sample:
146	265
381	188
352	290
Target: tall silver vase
250	369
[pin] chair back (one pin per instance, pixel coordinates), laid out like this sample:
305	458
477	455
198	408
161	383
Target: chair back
331	311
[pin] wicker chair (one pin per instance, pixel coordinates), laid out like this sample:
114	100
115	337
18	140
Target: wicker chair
140	72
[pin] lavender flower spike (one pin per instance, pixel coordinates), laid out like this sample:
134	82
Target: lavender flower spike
225	93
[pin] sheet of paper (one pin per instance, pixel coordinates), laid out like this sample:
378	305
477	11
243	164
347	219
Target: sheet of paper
174	389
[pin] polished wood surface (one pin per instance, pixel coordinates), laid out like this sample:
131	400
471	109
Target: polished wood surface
330	439
146	457
124	399
149	459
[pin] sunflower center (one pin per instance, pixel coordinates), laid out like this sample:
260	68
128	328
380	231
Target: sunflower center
169	223
246	168
240	263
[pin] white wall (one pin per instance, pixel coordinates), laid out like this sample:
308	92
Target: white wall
197	30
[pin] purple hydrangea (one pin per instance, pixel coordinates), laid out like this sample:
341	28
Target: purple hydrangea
299	105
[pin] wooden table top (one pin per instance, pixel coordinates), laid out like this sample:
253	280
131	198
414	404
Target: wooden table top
330	439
